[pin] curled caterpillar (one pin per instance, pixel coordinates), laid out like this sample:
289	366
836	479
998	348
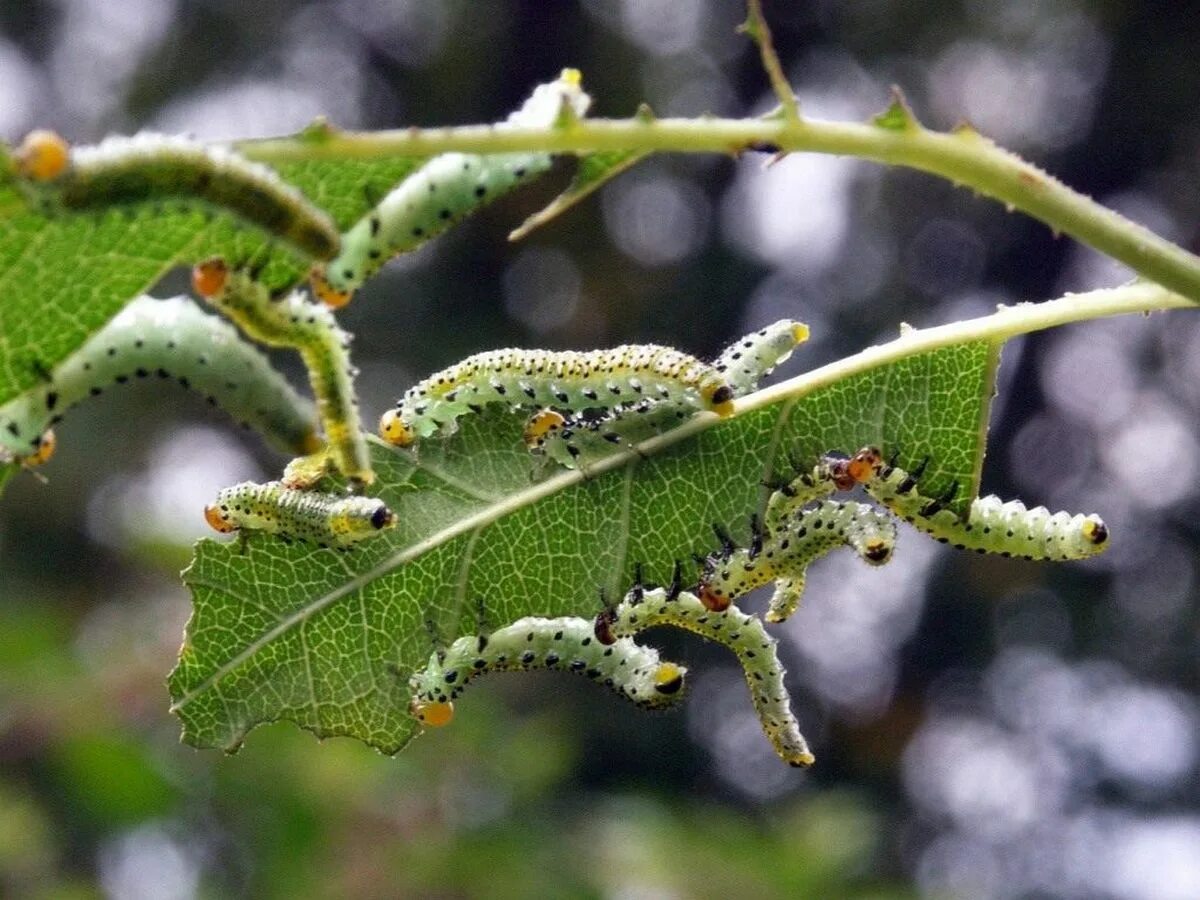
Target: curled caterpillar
567	644
310	328
991	525
576	440
563	378
148	168
784	553
327	520
443	192
169	340
744	635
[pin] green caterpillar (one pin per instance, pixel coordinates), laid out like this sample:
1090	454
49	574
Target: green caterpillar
783	554
991	525
153	167
744	635
327	520
443	192
164	340
565	378
566	644
580	439
310	328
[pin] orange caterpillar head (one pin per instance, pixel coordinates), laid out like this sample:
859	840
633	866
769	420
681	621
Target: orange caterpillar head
47	444
540	424
217	519
863	465
326	292
432	715
42	156
711	599
210	277
395	430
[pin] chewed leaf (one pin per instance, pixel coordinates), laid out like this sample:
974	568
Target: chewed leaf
594	172
328	639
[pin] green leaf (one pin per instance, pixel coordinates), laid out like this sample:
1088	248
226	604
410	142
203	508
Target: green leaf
63	276
327	639
593	173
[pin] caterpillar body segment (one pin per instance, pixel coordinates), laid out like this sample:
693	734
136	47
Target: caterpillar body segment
328	520
164	340
311	329
443	192
745	635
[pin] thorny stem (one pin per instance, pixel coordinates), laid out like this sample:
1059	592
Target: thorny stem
962	156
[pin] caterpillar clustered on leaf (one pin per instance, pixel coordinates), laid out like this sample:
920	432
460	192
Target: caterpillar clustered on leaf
577	440
577	380
327	520
991	525
567	644
443	192
310	328
163	340
743	634
150	168
783	554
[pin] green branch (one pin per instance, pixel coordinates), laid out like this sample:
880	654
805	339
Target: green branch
895	138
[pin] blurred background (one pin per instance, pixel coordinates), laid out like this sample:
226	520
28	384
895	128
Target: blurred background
984	727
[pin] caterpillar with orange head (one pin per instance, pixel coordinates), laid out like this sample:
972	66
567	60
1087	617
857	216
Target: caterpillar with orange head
163	340
443	192
565	644
295	321
150	168
991	524
327	520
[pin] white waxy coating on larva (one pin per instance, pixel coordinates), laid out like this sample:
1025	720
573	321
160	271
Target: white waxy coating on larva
149	167
566	379
992	525
581	440
329	520
445	190
567	644
166	340
745	636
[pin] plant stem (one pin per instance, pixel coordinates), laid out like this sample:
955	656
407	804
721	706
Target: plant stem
963	156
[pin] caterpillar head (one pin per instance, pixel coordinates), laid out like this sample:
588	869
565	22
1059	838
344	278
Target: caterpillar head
210	277
394	430
431	715
46	446
669	678
877	551
326	292
218	519
540	425
42	156
1095	532
712	599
